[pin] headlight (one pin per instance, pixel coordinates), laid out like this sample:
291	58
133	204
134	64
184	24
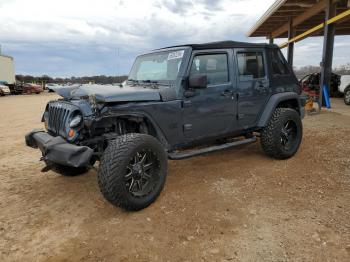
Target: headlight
45	119
46	124
75	121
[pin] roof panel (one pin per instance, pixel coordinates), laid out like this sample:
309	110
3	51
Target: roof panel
224	44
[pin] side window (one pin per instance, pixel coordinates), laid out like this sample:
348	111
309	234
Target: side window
214	66
278	63
250	65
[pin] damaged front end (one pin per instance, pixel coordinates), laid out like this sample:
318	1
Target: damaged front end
79	126
60	143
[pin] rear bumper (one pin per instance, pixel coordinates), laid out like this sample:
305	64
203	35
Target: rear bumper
302	99
57	150
302	112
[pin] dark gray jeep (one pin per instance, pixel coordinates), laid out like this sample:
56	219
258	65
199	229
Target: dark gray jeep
178	102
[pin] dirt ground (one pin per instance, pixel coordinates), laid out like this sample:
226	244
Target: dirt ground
236	205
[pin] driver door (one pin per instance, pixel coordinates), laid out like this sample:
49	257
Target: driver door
210	111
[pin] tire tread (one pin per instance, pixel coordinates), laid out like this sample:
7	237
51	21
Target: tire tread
111	180
270	134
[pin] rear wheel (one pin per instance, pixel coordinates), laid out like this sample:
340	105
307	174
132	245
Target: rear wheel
347	96
133	171
282	136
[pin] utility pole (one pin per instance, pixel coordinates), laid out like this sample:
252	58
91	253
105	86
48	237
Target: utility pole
118	61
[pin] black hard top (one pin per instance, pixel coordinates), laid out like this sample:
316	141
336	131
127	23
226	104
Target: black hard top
225	44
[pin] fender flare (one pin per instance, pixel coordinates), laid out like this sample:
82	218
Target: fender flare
273	102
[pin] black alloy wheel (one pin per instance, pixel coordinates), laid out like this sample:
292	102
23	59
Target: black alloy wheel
142	173
288	135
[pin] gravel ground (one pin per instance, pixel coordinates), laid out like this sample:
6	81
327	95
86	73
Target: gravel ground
236	205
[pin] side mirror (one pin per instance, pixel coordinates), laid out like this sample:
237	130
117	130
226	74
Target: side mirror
198	81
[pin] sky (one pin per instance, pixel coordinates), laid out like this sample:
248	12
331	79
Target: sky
93	37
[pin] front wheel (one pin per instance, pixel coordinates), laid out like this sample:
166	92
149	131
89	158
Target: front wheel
133	170
282	136
347	96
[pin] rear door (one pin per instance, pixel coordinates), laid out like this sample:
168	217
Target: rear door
211	111
252	85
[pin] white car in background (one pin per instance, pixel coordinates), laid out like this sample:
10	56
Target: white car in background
50	87
345	88
4	90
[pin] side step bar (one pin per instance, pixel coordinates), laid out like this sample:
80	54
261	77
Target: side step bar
202	151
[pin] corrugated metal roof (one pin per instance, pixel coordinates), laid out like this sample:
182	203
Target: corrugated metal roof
275	6
304	14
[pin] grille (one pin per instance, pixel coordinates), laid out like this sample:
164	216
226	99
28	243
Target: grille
59	115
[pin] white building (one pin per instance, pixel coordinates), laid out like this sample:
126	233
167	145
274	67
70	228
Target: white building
7	71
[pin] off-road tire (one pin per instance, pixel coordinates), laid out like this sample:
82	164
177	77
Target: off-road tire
347	96
112	174
271	135
68	170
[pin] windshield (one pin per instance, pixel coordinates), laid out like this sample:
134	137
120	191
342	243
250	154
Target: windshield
163	66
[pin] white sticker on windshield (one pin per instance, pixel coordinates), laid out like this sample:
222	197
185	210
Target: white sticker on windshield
176	54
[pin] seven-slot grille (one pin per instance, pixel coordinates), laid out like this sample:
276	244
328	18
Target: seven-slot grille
59	114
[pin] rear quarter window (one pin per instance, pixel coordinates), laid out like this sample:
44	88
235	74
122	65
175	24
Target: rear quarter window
279	65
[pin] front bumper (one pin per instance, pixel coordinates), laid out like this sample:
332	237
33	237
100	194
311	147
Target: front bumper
57	150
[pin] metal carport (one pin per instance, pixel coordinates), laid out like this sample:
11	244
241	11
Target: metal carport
296	20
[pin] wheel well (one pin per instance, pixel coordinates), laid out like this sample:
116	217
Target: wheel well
111	127
121	125
290	103
143	125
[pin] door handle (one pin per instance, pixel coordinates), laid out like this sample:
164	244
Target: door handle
227	93
261	88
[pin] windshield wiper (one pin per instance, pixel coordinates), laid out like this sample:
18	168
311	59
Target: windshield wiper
133	80
148	83
155	82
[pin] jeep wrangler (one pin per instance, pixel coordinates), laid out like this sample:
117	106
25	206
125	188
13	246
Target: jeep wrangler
178	102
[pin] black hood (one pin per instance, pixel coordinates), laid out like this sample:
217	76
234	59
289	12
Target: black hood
109	93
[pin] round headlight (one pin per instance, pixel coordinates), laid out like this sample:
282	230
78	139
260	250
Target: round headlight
75	121
45	119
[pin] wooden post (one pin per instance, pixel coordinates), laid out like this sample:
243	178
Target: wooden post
290	54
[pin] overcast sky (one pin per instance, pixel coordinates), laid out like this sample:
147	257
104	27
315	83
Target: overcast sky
93	37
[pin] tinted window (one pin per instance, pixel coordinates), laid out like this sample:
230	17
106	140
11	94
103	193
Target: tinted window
250	65
278	63
214	66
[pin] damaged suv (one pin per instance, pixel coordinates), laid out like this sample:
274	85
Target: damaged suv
178	102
